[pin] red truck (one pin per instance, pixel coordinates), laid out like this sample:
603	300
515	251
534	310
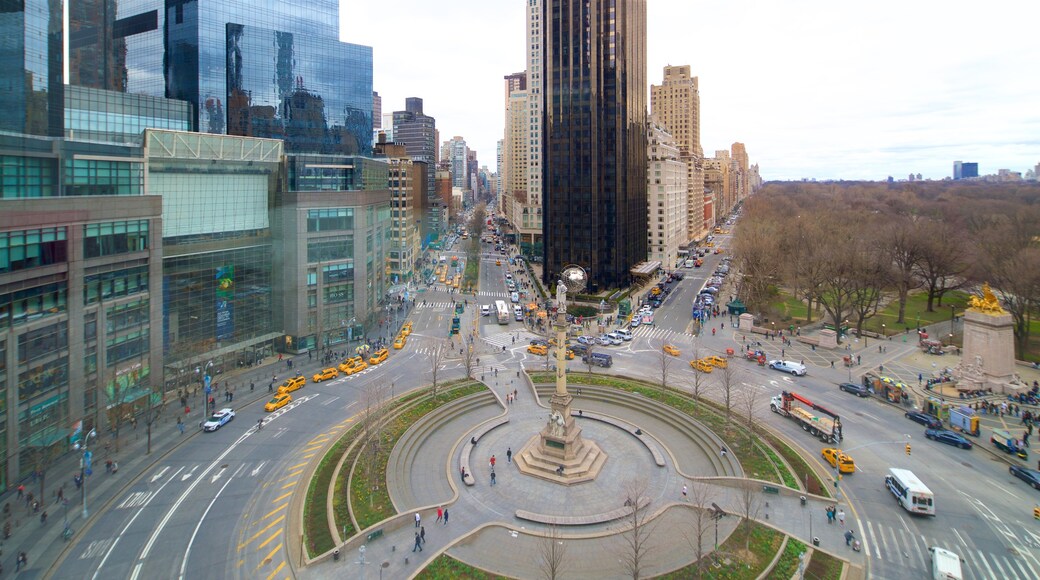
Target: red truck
813	418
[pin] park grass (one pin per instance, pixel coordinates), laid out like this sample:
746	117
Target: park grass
318	537
787	565
916	312
803	472
444	567
736	563
823	566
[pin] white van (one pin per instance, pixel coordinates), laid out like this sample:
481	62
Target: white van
518	313
625	334
485	310
514	297
945	564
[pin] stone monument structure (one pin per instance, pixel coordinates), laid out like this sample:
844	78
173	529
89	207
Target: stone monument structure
558	452
988	360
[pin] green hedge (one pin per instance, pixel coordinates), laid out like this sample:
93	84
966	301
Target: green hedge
445	567
742	565
824	567
787	565
318	537
804	473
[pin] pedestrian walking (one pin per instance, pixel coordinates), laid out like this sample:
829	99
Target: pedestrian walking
422	534
445	516
492	477
180	425
684	492
509	455
418	518
848	538
418	545
21	491
841	517
440	514
492	463
723	452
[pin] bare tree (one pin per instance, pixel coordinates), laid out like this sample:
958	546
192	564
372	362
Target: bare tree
156	405
728	380
839	285
636	547
438	353
701	496
588	359
749	507
903	244
373	399
748	400
554	554
943	261
469	358
665	366
870	274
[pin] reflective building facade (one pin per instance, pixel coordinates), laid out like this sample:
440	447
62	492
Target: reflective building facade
31	67
594	139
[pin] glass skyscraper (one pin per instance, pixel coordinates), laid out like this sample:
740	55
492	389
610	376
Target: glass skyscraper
594	139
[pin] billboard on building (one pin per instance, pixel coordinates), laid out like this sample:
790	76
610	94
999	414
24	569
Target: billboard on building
225	295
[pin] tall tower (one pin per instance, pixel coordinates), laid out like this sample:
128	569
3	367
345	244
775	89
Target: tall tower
532	212
594	139
676	104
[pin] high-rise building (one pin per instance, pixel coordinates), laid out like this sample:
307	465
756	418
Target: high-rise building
532	212
676	104
958	170
666	194
406	221
594	139
31	84
969	170
457	155
418	133
377	111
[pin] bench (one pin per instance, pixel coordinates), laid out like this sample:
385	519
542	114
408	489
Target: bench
771	489
467	449
600	518
658	457
375	534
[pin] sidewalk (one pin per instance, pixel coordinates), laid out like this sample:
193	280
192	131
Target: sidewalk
43	543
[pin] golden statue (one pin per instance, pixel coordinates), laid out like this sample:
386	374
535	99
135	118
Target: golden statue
987	303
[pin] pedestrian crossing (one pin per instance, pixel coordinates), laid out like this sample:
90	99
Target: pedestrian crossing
500	339
490	294
904	549
434	305
654	332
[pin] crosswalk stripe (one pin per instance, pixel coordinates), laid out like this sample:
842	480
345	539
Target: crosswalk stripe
912	541
873	539
982	558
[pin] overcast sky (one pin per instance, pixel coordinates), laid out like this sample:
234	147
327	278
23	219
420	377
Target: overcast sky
813	88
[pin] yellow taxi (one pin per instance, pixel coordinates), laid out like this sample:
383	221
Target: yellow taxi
498	262
836	458
325	374
280	400
669	349
718	250
716	361
399	343
292	384
701	366
356	368
570	354
538	349
378	356
406	329
552	341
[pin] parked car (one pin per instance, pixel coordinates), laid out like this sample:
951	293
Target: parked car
788	366
603	341
541	341
586	340
701	365
614	338
948	437
930	421
1030	476
853	388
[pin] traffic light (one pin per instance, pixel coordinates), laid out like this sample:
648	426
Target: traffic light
908	449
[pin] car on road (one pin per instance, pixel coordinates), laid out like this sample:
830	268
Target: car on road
710	290
219	419
292	383
930	421
716	361
603	341
948	437
788	366
357	367
1030	476
399	343
586	340
379	356
540	341
350	362
838	459
853	388
670	349
580	349
636	322
614	338
624	334
325	374
280	400
701	366
485	310
538	349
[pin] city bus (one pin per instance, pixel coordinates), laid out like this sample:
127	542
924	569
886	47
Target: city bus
502	311
913	495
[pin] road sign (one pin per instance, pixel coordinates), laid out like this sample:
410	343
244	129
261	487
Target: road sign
87	456
88	471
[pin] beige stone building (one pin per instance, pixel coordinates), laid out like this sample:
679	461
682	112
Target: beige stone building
666	196
676	104
405	212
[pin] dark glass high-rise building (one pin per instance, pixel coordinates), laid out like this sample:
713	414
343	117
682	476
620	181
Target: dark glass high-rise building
260	68
594	138
31	83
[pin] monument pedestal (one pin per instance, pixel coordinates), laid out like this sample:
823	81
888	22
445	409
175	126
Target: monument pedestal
558	453
988	360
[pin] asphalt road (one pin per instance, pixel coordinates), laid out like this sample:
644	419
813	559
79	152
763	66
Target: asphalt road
217	507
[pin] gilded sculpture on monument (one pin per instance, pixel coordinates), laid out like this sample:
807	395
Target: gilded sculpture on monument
987	303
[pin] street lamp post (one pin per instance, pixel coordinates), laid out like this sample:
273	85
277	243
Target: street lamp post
85	467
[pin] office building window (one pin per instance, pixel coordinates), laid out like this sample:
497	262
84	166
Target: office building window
24	249
110	238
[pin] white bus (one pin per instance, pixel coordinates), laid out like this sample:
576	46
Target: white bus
913	495
502	311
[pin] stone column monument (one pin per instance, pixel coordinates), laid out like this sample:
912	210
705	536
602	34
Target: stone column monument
988	360
558	452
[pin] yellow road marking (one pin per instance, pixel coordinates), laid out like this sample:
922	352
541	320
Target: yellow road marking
276	510
315	441
281	497
268	558
277	533
290	475
239	564
276	570
288	485
257	535
309	449
297	466
309	456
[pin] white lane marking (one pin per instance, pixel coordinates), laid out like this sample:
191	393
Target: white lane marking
873	538
130	523
257	469
188	475
329	401
159	475
187	551
137	570
213	478
95	548
1015	495
996	562
135	499
960	538
982	558
281	431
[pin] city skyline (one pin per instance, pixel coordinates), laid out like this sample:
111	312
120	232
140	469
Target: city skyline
950	99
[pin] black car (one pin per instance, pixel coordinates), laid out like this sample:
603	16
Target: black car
930	421
579	349
948	437
1030	476
853	388
539	341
